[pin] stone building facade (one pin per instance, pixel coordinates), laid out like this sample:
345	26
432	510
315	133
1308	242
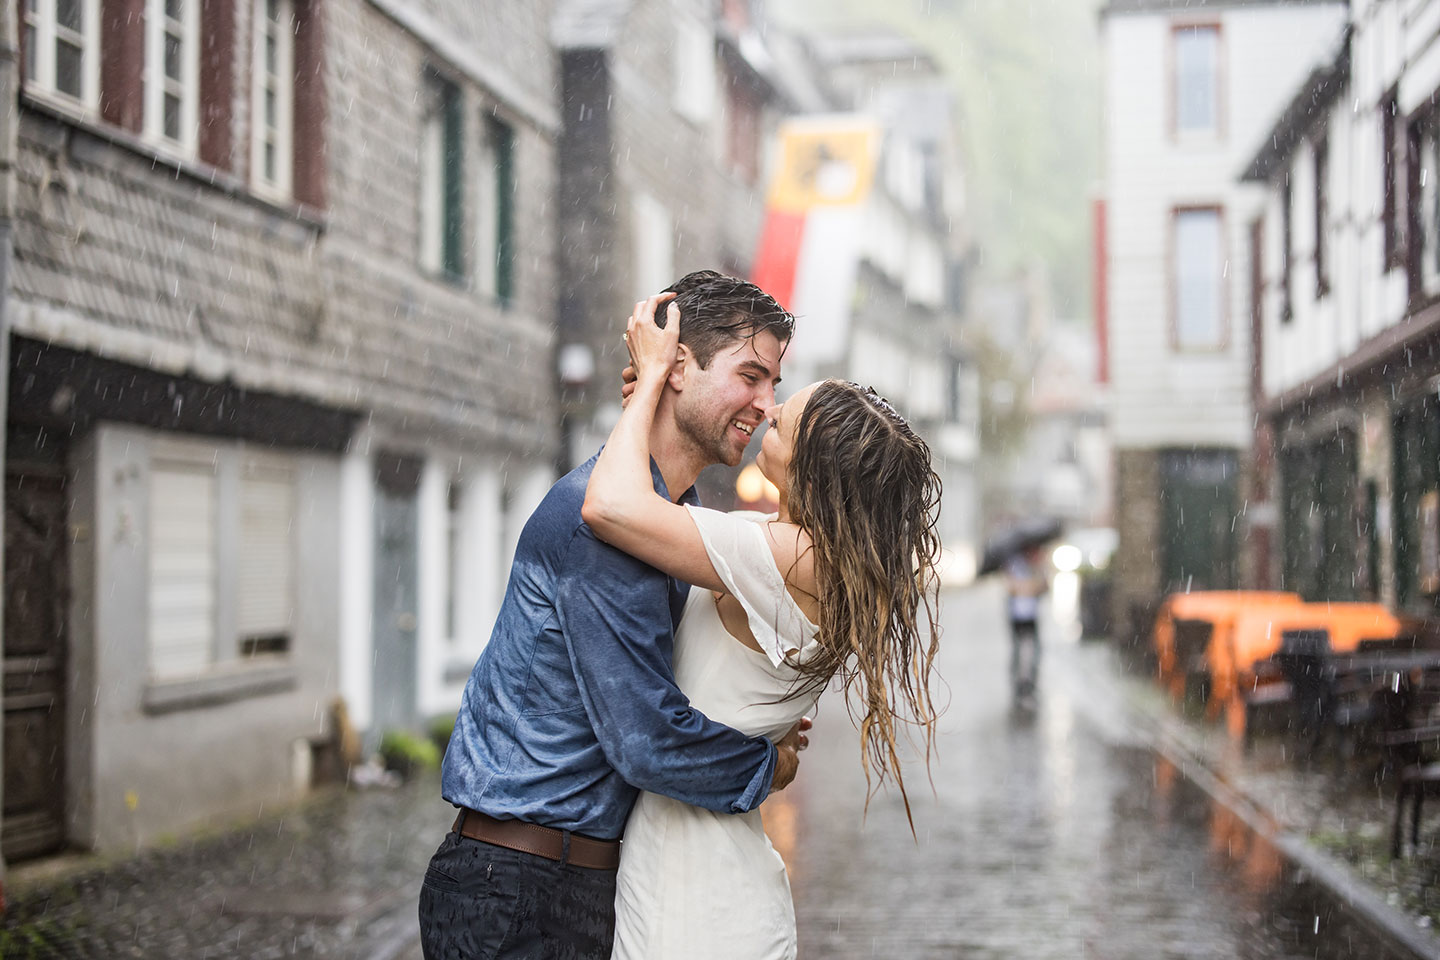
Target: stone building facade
280	371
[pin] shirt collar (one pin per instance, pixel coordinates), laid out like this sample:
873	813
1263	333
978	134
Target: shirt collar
690	497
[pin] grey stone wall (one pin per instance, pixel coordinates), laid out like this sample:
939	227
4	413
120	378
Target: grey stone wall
1135	569
440	354
337	309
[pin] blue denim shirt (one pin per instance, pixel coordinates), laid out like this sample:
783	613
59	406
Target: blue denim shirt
573	709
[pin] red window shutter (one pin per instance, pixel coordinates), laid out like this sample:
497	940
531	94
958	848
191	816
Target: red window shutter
309	138
217	82
122	63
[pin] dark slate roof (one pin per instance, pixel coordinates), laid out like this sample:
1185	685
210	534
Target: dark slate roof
587	24
1174	6
1303	113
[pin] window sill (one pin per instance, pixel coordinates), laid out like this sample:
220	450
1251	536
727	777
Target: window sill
196	170
225	684
458	670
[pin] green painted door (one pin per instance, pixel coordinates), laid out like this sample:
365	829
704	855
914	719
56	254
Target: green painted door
1198	496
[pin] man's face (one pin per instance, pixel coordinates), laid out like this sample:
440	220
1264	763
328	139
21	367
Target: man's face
721	406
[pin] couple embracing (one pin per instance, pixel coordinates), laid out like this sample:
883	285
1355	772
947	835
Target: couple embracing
616	698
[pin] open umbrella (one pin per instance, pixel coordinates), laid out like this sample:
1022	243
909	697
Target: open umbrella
1017	539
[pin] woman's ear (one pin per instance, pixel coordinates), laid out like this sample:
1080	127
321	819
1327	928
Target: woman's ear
683	361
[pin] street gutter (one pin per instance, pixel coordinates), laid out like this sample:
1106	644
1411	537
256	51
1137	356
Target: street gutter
1356	895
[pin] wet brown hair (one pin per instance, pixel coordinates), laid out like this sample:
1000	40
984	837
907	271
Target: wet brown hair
860	483
716	310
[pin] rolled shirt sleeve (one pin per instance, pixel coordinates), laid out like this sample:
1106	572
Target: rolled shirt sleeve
615	614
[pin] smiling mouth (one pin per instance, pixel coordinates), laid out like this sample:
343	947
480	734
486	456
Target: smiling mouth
746	428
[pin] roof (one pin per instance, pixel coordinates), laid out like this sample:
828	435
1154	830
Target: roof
1114	7
587	24
1303	113
875	44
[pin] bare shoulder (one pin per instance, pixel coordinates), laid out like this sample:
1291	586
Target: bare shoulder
795	556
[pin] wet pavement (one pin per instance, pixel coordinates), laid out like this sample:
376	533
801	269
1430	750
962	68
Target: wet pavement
1052	831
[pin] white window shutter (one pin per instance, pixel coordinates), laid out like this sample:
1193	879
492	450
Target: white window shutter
267	504
182	570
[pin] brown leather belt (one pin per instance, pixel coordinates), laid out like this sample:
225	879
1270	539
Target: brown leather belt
541	841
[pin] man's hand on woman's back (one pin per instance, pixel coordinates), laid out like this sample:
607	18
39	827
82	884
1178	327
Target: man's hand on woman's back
787	763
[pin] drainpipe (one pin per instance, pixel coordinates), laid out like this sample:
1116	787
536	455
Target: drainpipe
9	124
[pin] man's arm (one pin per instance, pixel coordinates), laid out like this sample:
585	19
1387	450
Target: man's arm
615	615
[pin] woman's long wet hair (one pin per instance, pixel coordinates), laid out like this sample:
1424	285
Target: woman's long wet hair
861	484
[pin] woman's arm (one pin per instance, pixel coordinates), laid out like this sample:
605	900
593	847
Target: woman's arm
621	505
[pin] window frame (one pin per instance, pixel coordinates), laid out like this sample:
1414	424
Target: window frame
1425	208
1287	243
495	210
1222	341
1216	133
157	84
179	459
42	24
1393	224
252	467
440	250
1320	170
695	71
282	135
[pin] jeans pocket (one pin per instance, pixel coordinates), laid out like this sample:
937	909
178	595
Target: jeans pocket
469	916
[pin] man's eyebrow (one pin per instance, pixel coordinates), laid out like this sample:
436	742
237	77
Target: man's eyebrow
758	367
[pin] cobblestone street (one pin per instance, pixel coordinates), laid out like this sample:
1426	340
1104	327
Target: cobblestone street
1051	833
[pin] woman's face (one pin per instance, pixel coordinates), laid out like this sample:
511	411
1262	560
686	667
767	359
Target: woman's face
778	444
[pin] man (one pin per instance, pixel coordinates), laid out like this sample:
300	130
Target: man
573	708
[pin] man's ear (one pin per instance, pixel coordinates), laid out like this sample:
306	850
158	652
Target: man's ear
684	359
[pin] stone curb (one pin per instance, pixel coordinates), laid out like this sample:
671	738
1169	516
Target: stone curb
1338	878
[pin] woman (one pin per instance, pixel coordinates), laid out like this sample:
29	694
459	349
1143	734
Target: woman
831	586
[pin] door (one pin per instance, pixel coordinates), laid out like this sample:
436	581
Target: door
1198	496
396	594
36	596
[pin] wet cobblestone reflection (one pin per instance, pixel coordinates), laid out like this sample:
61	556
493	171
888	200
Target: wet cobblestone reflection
1052	833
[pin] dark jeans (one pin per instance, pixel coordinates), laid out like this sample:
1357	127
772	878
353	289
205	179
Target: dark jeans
482	902
1024	655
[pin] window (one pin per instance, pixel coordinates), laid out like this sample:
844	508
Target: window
222	557
1198	279
453	541
495	211
1427	214
742	132
1197	80
1321	189
62	48
441	190
1394	225
654	245
182	568
264	604
172	72
1287	209
695	73
272	101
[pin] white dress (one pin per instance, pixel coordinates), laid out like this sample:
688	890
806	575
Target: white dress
709	886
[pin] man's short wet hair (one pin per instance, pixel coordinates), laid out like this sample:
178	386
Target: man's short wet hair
716	310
